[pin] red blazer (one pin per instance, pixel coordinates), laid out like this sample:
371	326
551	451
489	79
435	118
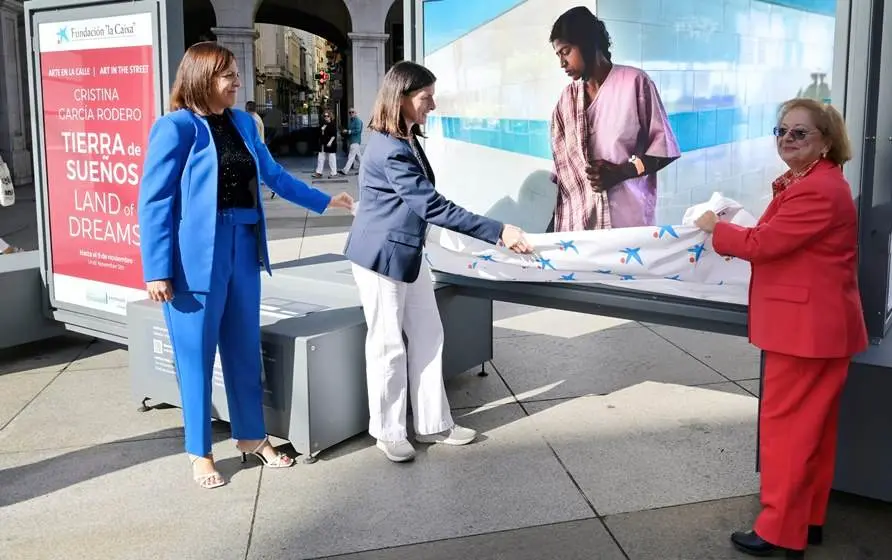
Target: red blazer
804	298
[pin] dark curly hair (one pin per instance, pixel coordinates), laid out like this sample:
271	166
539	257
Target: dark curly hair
582	29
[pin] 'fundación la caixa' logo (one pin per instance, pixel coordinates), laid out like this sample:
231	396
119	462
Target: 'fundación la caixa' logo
68	33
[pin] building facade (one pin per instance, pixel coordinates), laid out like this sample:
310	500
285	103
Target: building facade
357	28
280	76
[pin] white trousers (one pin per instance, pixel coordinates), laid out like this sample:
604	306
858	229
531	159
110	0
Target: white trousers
353	156
391	308
332	163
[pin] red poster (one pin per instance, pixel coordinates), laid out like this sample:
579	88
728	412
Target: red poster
98	87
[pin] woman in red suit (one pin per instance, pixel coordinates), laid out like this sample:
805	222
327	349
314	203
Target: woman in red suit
805	314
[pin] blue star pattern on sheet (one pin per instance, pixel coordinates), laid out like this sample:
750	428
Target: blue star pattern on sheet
677	258
545	264
567	245
632	254
666	230
697	252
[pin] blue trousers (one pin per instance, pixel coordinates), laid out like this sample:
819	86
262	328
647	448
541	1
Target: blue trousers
227	316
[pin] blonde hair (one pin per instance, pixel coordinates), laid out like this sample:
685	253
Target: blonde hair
403	78
829	122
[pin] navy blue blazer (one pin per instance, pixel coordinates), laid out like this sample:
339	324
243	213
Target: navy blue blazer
396	204
178	198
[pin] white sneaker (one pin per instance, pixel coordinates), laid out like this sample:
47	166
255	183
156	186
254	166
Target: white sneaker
456	435
397	451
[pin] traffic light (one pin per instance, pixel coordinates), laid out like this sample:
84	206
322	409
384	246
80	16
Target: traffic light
322	77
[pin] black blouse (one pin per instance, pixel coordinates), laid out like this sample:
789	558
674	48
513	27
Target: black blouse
237	168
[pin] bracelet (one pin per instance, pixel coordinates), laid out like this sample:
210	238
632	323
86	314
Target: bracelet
638	165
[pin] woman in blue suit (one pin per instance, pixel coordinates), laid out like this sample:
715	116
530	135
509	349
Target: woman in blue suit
203	243
397	202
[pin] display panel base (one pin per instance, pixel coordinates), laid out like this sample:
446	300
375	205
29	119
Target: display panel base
22	301
864	453
313	338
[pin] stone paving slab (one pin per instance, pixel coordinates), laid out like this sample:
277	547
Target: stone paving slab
597	363
469	390
20	388
573	540
732	356
354	499
322	241
101	354
653	445
735	388
505	310
54	354
122	500
856	529
559	323
86	407
751	385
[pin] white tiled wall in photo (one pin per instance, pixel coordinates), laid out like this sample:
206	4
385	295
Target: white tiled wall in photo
722	68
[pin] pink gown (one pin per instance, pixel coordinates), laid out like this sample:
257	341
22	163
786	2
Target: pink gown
626	118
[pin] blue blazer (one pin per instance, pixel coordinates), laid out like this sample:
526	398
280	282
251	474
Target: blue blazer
178	198
396	204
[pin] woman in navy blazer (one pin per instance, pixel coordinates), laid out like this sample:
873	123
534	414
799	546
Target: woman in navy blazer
397	202
203	243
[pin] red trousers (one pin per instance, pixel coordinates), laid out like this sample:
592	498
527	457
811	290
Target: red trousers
797	444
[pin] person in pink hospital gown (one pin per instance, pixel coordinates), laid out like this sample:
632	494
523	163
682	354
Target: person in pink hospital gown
610	133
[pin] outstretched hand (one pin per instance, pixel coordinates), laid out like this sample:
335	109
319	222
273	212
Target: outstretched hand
707	221
342	200
514	238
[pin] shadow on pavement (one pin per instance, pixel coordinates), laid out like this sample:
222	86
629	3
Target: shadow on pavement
41	354
41	478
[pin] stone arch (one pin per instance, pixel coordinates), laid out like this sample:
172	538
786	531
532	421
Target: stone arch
393	26
360	29
199	17
330	19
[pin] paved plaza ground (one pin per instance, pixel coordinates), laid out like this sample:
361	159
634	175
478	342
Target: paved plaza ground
601	439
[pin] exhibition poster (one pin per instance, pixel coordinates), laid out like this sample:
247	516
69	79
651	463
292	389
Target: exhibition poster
97	79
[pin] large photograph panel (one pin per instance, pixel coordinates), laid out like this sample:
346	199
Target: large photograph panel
696	83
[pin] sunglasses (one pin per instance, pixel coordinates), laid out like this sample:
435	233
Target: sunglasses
795	133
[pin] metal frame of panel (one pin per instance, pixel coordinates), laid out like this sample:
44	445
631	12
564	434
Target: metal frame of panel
875	205
168	50
857	36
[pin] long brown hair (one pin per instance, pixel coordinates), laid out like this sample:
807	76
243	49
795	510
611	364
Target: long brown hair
194	84
402	79
827	120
